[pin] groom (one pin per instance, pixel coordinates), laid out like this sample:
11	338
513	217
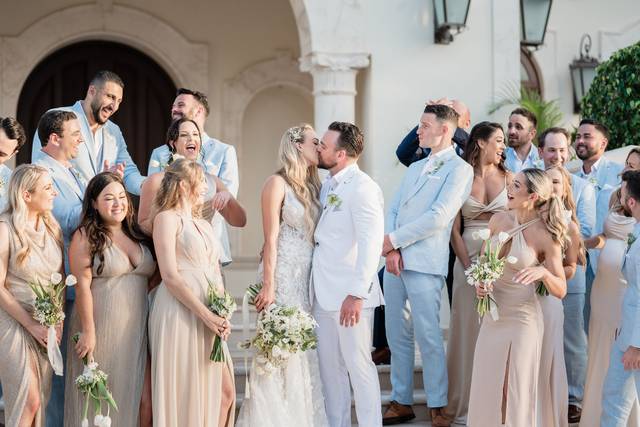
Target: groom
416	245
344	283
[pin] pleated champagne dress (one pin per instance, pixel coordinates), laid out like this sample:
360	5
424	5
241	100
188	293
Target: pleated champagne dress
21	353
187	386
606	307
465	324
553	387
508	349
120	312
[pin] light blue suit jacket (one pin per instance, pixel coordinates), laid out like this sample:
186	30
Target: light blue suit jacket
218	158
114	150
630	324
421	214
67	206
5	175
605	181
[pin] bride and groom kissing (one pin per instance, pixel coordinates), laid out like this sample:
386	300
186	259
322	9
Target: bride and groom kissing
321	253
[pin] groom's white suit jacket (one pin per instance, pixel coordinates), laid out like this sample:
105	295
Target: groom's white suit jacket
349	242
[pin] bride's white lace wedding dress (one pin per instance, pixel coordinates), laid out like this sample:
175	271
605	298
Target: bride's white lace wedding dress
291	396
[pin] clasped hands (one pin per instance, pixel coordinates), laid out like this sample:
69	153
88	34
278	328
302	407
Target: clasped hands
393	262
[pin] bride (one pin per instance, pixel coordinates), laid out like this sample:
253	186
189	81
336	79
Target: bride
291	396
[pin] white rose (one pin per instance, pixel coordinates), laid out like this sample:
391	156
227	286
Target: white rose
98	420
85	423
503	237
106	421
484	234
511	259
56	278
154	164
70	280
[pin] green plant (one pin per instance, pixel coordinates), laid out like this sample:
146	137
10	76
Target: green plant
548	113
614	97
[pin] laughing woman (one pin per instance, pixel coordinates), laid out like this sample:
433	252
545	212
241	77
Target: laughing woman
113	265
184	141
30	249
507	355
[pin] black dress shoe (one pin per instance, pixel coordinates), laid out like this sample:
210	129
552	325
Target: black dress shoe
575	412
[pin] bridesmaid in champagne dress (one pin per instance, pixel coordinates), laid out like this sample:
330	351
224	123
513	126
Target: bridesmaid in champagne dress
30	249
188	389
606	303
111	300
488	195
507	354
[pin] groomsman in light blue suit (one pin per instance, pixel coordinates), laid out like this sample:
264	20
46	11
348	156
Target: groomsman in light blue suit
62	141
104	147
521	132
219	159
416	246
622	383
553	145
591	142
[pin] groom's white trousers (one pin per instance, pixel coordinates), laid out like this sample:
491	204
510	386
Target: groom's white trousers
345	354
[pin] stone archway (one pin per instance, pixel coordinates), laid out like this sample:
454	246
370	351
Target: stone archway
186	62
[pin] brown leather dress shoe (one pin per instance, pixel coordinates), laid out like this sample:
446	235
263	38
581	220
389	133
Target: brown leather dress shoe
574	413
397	413
439	418
381	356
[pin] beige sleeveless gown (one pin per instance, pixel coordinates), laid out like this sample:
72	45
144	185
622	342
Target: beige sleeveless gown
606	308
186	384
464	320
21	353
508	350
120	315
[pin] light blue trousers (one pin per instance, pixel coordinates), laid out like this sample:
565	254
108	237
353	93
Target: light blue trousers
619	391
575	346
423	291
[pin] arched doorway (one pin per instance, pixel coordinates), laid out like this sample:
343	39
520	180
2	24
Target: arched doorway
62	78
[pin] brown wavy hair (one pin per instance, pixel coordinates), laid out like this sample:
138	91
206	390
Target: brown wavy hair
93	226
482	131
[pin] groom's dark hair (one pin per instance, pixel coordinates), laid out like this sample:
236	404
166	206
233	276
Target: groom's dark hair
351	138
443	113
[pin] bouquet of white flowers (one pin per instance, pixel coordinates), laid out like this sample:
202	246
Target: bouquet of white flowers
222	305
281	331
93	384
487	269
49	312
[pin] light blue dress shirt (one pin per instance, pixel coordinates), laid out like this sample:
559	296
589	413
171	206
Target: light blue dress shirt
515	165
92	154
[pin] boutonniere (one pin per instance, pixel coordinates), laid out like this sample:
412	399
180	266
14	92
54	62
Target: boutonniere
334	201
436	167
2	184
594	182
631	238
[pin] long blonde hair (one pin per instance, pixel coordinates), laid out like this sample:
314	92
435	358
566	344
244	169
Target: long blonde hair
570	205
549	206
302	179
24	178
170	195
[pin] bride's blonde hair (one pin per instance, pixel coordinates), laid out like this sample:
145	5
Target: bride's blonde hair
171	195
570	205
549	206
24	179
302	179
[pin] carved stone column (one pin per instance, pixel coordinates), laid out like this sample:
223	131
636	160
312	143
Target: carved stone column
334	85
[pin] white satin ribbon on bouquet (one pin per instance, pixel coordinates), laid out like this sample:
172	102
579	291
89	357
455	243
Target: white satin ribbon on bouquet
245	339
53	351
